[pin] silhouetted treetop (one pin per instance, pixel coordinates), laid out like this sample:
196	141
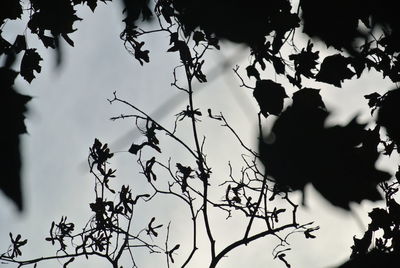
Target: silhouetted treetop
340	161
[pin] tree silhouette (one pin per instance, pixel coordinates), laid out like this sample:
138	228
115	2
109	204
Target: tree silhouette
339	161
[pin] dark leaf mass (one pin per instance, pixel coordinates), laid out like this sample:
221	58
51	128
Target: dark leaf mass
241	22
301	150
252	71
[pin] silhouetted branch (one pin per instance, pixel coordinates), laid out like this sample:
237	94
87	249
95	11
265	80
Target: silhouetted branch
152	120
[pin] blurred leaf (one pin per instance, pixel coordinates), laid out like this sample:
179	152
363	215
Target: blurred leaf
10	9
339	161
14	106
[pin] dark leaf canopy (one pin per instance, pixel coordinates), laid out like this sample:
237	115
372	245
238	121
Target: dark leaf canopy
243	21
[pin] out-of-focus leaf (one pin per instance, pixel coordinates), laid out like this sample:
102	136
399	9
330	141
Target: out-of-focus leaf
20	43
14	106
339	161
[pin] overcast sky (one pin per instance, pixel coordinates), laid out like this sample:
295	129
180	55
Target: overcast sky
70	109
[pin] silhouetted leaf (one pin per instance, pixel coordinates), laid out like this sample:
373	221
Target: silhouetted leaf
135	148
308	233
374	99
170	252
14	107
334	70
270	96
197	37
29	64
17	243
141	55
305	62
252	71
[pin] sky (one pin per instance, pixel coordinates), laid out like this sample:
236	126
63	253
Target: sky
70	109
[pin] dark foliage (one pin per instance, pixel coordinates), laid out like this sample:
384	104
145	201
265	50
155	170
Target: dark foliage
389	109
381	250
338	159
244	22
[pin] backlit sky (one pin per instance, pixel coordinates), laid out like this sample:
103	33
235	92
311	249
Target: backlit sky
70	109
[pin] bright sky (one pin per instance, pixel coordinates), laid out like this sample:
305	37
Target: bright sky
70	109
